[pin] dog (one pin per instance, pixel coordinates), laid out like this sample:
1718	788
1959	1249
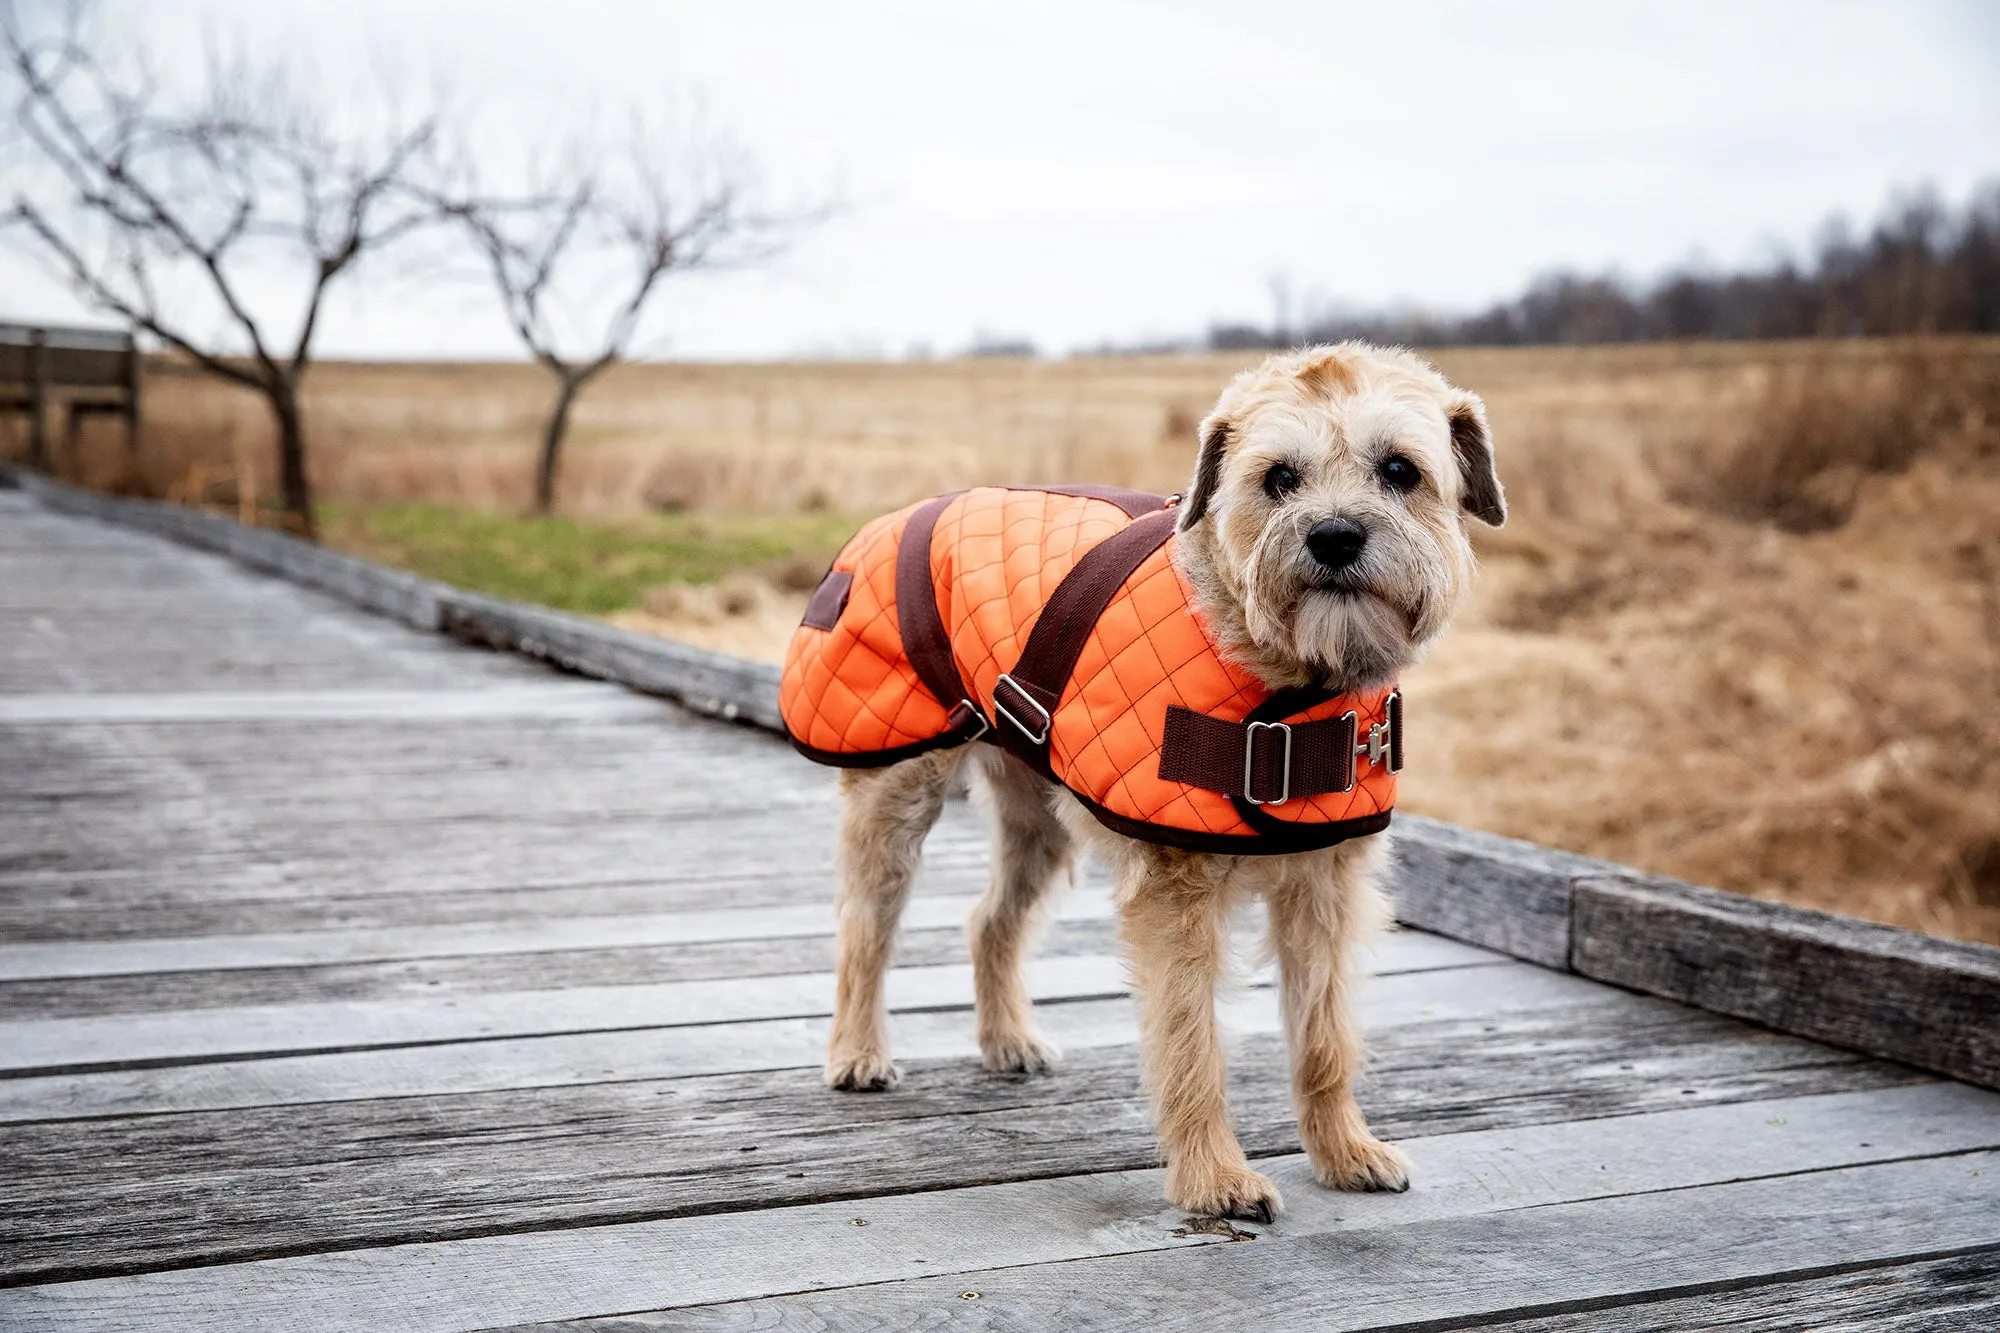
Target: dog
1323	543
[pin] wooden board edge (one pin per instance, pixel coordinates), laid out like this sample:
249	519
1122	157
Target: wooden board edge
1483	889
734	689
1877	989
394	593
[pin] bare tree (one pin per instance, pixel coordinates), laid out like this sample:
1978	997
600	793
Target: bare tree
578	263
215	222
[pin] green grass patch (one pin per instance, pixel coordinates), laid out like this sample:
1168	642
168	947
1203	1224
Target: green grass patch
589	568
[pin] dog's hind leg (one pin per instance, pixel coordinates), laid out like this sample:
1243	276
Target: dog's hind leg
886	813
1173	911
1319	917
1031	853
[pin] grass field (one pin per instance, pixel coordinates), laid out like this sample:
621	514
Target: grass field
1744	627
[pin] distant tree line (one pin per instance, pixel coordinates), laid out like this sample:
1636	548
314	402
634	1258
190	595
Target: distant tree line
1923	268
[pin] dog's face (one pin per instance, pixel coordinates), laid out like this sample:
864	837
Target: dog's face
1324	530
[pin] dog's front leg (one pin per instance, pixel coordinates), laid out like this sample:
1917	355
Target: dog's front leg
883	820
1175	928
1318	921
1031	849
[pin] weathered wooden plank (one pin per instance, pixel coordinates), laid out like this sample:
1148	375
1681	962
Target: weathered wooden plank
83	829
389	592
293	1179
1931	1296
563	700
735	1256
682	1051
1396	950
1486	890
58	1044
544	1062
704	681
528	969
475	974
1934	1003
1564	1257
306	948
68	1044
32	907
707	682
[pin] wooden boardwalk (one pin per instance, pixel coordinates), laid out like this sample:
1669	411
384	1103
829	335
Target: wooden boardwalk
352	978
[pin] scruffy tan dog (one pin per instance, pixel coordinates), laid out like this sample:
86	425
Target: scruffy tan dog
1323	536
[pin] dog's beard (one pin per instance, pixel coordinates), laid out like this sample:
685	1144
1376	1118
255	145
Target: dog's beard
1348	631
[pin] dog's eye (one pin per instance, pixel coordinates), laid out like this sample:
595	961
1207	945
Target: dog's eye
1399	473
1281	480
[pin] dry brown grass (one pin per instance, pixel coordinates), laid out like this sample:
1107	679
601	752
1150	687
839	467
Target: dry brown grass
1744	627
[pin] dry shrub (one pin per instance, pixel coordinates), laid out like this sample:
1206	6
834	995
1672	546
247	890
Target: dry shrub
742	613
1781	672
1825	426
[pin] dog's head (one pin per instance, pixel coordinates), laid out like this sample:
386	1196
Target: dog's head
1324	530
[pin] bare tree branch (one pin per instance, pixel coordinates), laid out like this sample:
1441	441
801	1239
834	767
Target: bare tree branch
579	263
173	214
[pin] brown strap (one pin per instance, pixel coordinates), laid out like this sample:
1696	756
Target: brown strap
1135	503
925	641
1029	693
1250	760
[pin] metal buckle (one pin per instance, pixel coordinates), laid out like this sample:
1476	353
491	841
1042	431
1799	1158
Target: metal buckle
1392	712
1353	720
1379	747
1250	761
1029	699
965	707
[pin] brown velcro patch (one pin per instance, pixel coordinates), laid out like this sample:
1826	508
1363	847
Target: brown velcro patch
829	599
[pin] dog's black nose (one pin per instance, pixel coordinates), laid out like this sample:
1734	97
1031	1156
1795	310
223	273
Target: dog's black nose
1336	542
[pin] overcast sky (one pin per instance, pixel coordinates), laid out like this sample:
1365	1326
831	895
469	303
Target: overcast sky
1090	170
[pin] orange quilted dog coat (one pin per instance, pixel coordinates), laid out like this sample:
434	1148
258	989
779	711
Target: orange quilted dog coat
1054	622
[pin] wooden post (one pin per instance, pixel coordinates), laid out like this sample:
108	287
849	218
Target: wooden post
38	400
134	369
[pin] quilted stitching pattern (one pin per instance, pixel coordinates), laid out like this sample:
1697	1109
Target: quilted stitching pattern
850	689
1149	651
996	556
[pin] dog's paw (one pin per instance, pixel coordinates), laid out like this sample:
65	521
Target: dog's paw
1236	1192
865	1071
1019	1053
1362	1164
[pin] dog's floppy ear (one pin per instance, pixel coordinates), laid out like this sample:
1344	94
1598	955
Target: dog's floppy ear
1472	447
1207	473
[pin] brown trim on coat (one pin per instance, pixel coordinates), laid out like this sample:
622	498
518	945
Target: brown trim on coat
895	754
829	599
1136	504
1283	841
926	642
